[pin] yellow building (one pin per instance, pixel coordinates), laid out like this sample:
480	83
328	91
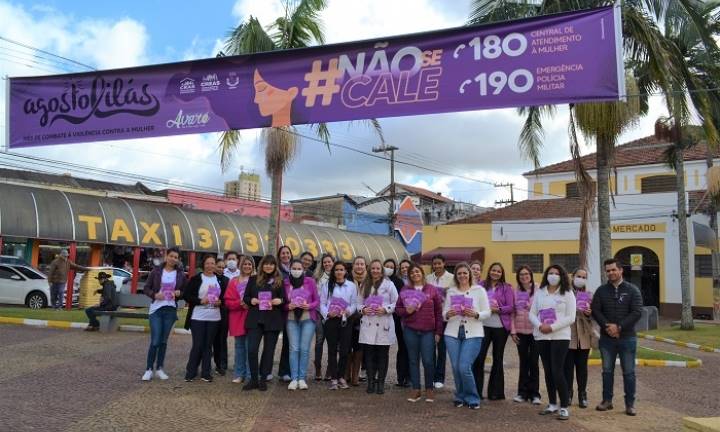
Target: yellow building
544	229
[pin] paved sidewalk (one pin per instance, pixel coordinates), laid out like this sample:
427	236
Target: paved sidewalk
60	380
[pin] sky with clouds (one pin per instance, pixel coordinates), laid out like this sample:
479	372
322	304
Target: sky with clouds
478	145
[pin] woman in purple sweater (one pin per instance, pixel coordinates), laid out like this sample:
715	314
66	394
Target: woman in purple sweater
422	329
497	329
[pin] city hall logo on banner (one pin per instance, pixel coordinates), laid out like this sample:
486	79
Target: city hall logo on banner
104	97
210	82
187	86
232	80
408	220
188	120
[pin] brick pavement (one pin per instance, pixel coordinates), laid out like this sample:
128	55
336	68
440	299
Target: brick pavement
65	380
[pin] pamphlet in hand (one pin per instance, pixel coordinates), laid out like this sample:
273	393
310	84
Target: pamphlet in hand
522	300
213	294
168	291
337	306
374	302
265	298
547	316
582	300
413	298
299	296
492	298
457	302
468	303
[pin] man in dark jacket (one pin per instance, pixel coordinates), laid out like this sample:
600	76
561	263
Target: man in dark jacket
617	306
108	300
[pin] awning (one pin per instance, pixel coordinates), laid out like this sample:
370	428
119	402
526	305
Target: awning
455	255
64	216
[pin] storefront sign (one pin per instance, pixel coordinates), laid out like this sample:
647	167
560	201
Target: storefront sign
638	228
561	58
408	220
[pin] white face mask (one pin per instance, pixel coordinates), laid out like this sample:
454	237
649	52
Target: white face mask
553	279
296	273
231	265
579	282
388	271
157	262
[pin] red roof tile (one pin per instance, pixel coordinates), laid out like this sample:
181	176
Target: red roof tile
529	210
417	191
643	151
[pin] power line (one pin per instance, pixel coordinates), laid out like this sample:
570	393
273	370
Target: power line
47	52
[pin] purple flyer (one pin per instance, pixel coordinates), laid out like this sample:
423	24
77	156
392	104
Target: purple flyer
522	300
265	298
168	291
582	300
547	316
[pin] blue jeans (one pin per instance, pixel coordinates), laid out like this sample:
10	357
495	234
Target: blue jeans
420	344
300	335
161	324
626	348
462	356
57	291
242	365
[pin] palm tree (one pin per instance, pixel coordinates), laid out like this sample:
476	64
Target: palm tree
300	27
647	55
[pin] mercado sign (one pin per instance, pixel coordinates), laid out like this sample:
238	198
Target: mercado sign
562	58
638	228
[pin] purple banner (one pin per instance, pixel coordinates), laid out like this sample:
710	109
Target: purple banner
571	57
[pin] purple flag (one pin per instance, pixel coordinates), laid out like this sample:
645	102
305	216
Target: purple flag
561	58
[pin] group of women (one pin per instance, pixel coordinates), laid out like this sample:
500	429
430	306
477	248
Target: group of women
358	313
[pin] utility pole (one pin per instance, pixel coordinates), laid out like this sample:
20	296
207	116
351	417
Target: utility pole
391	207
511	201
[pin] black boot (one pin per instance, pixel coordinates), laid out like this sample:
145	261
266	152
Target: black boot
251	385
380	387
262	385
370	386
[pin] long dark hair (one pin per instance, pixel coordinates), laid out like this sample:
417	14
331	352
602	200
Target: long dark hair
532	279
263	279
319	269
564	278
332	281
280	250
296	282
488	280
370	287
395	266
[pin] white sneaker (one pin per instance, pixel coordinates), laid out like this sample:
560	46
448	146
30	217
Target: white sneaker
302	385
238	380
439	385
518	399
293	385
286	378
536	401
147	376
550	409
269	377
161	374
563	414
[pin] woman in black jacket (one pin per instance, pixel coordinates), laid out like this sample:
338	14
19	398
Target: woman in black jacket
204	293
264	296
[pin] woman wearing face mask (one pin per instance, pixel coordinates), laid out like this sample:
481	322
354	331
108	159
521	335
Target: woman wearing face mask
355	360
302	305
552	313
464	334
264	296
422	329
284	257
576	361
497	329
322	274
232	265
522	335
377	328
237	314
338	333
164	286
401	359
204	294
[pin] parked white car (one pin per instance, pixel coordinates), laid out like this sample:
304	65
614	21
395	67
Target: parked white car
120	276
22	284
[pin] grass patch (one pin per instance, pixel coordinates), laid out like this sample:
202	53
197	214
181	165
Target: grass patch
75	315
704	334
650	354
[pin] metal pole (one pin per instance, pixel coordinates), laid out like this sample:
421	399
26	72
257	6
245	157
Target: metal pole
135	270
70	277
391	205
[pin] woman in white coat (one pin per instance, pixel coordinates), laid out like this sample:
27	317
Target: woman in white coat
377	327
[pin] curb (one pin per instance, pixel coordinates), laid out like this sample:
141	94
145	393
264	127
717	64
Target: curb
690	345
78	325
655	363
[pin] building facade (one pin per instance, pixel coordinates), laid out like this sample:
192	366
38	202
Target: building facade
247	186
545	228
